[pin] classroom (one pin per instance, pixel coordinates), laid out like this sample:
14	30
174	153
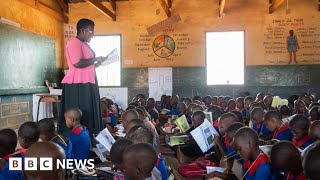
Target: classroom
160	89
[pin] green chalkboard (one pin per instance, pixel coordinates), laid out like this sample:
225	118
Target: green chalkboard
27	59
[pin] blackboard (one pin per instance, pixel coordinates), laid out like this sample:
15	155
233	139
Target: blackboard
27	59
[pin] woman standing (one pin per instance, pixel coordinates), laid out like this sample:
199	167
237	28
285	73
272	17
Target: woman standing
80	87
292	46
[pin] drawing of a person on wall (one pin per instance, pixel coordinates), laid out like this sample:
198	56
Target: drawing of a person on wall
292	46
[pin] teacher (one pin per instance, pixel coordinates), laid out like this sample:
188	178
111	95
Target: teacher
79	86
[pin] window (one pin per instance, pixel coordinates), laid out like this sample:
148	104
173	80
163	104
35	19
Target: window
225	57
108	75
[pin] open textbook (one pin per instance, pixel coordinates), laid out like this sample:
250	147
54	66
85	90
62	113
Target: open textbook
112	57
106	139
203	135
183	124
209	116
178	140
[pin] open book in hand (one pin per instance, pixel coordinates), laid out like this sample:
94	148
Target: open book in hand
178	140
203	135
183	124
106	139
112	57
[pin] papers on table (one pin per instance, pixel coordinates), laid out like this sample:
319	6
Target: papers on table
203	135
211	169
183	124
112	57
106	139
178	140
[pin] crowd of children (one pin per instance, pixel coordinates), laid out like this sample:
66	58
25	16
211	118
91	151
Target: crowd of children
245	127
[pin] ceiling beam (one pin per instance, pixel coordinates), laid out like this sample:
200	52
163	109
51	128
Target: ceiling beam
170	3
221	3
113	5
64	6
275	4
165	7
319	5
97	4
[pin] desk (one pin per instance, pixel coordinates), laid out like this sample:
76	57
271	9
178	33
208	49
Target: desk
46	109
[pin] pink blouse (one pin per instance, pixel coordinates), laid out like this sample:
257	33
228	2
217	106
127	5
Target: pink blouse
76	50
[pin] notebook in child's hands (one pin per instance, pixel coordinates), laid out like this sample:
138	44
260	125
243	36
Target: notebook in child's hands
183	124
203	135
106	139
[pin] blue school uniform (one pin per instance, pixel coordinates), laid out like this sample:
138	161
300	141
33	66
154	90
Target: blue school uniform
80	140
284	133
112	117
67	146
262	129
231	153
260	169
161	166
174	111
303	143
6	174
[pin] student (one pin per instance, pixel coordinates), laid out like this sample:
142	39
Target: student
259	97
109	114
140	134
183	111
281	130
8	144
258	125
187	101
116	155
28	134
299	126
231	105
219	101
240	106
267	101
174	105
134	122
311	162
142	115
48	132
139	161
214	101
238	114
167	104
247	101
216	113
49	150
286	157
314	113
285	113
256	164
189	109
79	135
314	130
196	108
207	100
152	110
300	108
127	116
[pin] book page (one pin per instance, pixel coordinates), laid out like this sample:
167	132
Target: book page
183	124
106	139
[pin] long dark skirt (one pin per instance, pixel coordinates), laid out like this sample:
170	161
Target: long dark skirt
85	97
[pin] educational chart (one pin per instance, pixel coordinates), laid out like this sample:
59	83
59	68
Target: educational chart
275	40
70	31
117	95
163	46
160	82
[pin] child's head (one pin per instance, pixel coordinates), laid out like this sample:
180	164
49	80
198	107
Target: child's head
240	102
311	162
134	122
257	115
219	100
299	126
104	106
314	113
189	109
226	120
117	150
8	142
284	111
141	112
174	99
182	107
246	142
167	99
314	104
195	98
272	120
232	129
72	117
314	130
231	104
256	104
129	115
50	150
142	102
285	156
267	100
214	100
196	108
300	107
238	114
140	134
247	101
308	101
139	160
198	118
207	100
47	129
28	134
187	101
135	104
260	97
216	112
151	103
163	97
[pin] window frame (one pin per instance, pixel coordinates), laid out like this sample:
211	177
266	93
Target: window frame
244	56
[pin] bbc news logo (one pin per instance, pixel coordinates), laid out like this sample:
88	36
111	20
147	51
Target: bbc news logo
46	164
